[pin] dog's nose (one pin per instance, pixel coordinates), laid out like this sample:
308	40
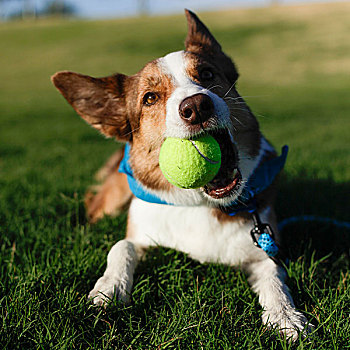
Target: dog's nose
196	109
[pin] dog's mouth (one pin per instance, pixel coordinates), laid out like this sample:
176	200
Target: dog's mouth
229	177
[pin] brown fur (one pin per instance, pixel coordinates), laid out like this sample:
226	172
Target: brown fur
111	198
111	165
148	139
99	101
113	195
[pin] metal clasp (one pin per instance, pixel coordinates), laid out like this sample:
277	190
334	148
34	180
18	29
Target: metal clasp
260	228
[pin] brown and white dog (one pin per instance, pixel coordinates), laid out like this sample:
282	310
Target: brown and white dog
182	94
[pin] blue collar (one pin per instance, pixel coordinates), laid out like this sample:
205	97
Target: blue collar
260	180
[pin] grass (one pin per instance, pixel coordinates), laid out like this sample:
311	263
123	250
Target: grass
294	64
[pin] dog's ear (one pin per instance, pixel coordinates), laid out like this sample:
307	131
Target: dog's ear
200	40
198	35
99	101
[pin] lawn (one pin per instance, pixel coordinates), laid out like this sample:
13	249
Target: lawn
295	66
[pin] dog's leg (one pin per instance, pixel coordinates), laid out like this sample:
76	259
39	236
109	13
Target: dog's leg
267	280
118	277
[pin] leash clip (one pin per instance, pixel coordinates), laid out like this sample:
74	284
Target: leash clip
265	235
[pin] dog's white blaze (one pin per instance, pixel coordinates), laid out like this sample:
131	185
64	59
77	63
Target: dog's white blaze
174	65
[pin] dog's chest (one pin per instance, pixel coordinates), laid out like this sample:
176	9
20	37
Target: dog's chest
192	230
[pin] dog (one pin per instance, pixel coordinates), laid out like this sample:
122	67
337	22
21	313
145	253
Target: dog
185	94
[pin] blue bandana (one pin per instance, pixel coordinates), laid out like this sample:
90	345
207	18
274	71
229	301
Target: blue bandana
260	180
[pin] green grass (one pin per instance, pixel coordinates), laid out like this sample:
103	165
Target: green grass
294	64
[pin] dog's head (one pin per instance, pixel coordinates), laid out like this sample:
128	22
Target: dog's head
182	94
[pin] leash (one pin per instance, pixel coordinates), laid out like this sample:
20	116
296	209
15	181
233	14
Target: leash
312	218
263	236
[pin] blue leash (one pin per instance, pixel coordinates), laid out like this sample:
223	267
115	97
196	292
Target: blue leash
263	236
312	218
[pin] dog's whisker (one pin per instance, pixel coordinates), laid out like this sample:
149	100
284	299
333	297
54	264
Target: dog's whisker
238	121
231	98
132	131
258	96
261	115
229	131
232	108
103	123
228	91
215	86
234	99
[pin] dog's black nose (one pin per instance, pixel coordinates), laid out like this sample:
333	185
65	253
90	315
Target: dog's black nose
196	109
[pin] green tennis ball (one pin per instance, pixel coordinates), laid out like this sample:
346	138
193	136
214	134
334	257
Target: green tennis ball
190	163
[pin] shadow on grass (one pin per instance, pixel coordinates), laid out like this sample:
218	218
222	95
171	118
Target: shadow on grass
323	198
315	240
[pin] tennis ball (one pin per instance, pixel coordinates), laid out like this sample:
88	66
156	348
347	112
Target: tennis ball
190	163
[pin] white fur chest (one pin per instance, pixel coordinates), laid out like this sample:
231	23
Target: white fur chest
192	230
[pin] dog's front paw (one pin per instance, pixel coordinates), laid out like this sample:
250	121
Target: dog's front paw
289	322
106	288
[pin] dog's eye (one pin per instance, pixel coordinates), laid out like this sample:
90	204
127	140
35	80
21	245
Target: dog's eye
150	98
206	74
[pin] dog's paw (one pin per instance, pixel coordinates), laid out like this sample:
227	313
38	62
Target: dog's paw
289	322
106	288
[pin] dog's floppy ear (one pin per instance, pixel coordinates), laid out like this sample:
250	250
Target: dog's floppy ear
200	40
99	101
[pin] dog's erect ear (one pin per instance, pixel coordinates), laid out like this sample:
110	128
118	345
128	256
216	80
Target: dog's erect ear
198	35
200	40
99	101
